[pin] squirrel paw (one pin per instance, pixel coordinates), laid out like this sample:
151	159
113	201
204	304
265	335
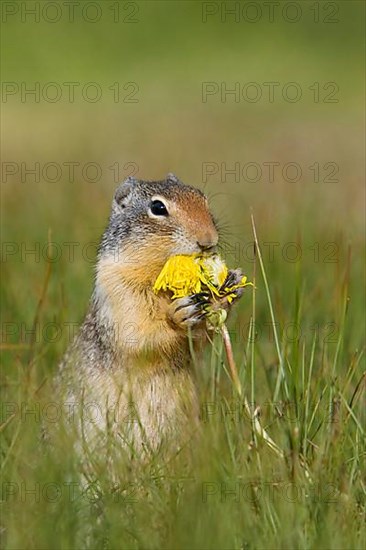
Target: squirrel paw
190	310
234	278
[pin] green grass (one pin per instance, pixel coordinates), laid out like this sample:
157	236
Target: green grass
298	338
230	490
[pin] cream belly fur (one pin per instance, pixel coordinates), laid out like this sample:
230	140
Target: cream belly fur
141	413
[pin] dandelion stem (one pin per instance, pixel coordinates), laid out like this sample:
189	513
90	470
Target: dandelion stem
230	358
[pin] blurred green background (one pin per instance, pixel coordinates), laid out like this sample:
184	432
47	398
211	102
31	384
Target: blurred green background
159	54
168	52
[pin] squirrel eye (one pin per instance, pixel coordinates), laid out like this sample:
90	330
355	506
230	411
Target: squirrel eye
158	208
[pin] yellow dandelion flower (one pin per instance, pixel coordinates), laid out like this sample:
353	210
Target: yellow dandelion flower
213	272
181	275
185	275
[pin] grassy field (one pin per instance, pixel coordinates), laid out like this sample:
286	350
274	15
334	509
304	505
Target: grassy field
151	94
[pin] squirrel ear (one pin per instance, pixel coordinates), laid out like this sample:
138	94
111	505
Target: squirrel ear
131	180
123	193
172	178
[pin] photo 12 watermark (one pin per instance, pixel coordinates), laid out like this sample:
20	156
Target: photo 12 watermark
53	12
54	251
238	491
52	492
52	332
271	491
69	92
269	92
126	412
266	11
270	171
67	171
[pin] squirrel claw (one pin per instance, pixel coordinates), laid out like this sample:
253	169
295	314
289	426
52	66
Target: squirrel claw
190	310
234	278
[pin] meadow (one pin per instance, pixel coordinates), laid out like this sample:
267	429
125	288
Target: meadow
264	111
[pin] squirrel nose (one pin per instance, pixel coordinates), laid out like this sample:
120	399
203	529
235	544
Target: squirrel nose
207	244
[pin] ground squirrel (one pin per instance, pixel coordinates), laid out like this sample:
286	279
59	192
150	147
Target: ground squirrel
130	361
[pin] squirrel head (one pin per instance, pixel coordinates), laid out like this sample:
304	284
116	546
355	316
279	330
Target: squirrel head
153	220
